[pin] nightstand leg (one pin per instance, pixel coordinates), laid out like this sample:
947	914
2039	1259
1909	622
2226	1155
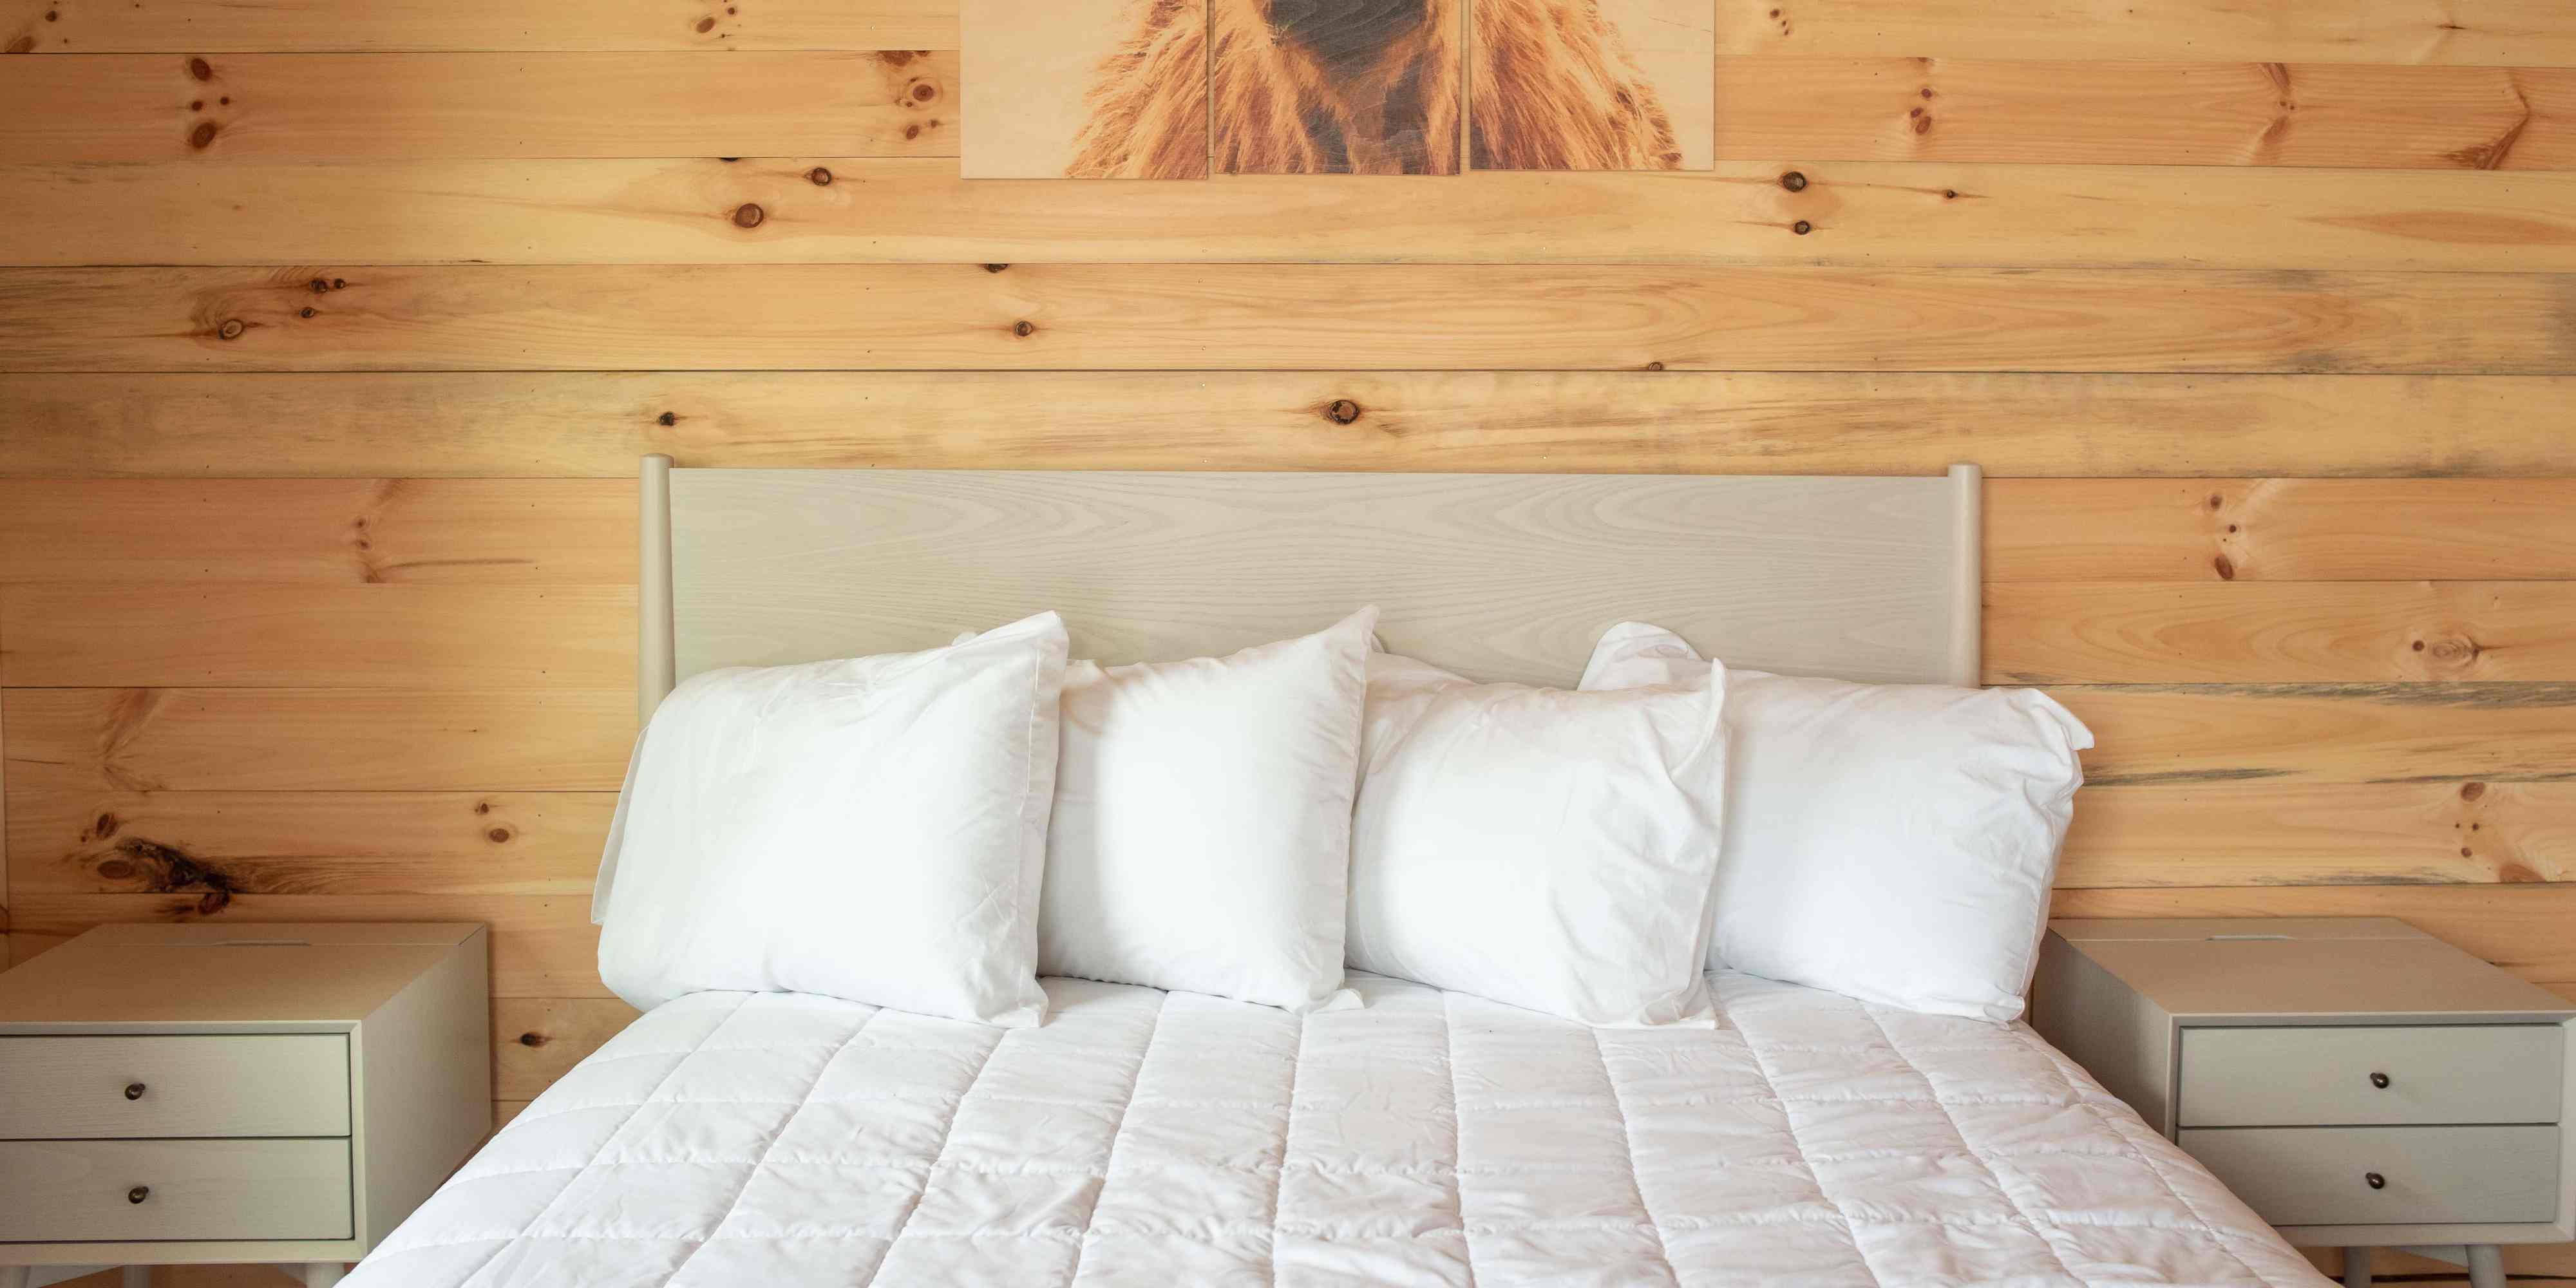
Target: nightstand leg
2486	1266
137	1277
2356	1268
323	1274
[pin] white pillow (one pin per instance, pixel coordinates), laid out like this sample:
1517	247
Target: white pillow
1893	842
871	829
1541	847
1202	830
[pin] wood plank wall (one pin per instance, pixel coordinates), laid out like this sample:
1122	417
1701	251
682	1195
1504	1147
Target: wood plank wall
329	333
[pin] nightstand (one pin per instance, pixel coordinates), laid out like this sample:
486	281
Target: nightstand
2355	1080
236	1093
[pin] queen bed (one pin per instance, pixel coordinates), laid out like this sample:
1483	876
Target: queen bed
1424	1137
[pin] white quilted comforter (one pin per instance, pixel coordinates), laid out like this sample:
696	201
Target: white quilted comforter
1148	1138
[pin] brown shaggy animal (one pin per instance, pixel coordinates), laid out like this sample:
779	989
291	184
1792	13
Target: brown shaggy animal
1369	87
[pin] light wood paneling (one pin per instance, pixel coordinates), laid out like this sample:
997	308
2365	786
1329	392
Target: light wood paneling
2354	733
67	841
318	739
534	1041
2311	260
2262	832
2279	632
288	26
1279	316
310	107
247	636
2101	530
353	532
2146	113
916	210
542	945
2503	32
597	424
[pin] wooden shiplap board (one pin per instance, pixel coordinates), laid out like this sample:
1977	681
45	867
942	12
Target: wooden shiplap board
2294	529
312	739
2146	113
843	209
1279	317
2464	32
72	839
210	109
321	532
2279	632
584	26
595	424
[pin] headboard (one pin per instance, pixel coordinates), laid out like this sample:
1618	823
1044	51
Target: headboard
1496	576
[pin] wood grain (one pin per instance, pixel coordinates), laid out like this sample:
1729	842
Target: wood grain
542	945
2263	832
597	424
537	1040
1279	316
2213	530
2146	113
2466	32
243	636
318	739
2279	632
2366	733
917	210
310	107
315	26
354	532
389	844
2522	928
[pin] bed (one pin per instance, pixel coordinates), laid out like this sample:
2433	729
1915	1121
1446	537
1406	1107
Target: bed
1426	1137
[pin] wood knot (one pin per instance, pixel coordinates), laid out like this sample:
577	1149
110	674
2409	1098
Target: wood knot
2226	568
1342	411
318	285
749	215
202	135
706	25
307	311
995	268
1802	228
339	283
667	419
498	835
820	177
1024	329
231	329
482	807
1656	365
2472	791
533	1039
104	827
201	69
1794	181
924	91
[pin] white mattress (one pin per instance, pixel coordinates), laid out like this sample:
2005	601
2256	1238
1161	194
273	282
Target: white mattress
1148	1138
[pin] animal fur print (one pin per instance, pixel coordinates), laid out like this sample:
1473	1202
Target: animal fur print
1370	87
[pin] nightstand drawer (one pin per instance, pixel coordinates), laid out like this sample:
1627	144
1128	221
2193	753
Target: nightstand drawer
80	1088
2324	1175
2430	1074
85	1190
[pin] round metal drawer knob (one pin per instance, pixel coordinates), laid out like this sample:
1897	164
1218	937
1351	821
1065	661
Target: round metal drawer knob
138	1194
134	1091
2377	1181
2379	1080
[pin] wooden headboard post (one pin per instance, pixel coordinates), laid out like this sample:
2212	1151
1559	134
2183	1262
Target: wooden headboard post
1497	576
654	673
